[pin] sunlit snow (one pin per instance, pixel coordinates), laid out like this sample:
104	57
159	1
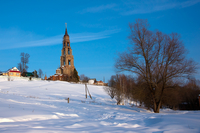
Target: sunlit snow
42	106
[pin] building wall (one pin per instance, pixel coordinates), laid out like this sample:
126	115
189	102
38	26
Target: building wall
58	71
5	74
15	74
91	81
58	77
68	70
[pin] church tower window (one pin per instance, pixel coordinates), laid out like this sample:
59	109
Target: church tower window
69	62
64	52
68	51
67	43
64	61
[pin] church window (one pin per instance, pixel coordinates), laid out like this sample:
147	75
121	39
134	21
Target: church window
69	62
64	52
67	43
64	44
64	61
68	51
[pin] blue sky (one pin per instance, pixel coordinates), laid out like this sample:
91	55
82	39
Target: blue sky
98	30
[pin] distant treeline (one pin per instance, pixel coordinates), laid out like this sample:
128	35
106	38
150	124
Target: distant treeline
181	95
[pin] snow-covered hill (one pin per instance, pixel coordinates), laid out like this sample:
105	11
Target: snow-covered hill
41	106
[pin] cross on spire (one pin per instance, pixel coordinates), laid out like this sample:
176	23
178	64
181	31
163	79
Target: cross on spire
66	30
65	25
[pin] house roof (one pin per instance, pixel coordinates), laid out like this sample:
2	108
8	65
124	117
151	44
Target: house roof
92	79
15	71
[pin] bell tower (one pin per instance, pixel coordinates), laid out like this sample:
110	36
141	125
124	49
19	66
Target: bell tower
66	58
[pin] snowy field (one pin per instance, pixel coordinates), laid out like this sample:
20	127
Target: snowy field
41	106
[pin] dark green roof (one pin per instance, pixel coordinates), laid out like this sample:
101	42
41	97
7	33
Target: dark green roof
29	74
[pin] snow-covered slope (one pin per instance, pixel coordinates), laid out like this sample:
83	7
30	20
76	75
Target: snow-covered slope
41	106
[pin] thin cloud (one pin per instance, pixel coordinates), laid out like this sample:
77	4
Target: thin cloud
98	8
19	39
82	37
154	6
131	7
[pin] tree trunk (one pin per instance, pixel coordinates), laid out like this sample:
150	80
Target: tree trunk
157	106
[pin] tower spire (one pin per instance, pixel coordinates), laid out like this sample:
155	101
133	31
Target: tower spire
66	34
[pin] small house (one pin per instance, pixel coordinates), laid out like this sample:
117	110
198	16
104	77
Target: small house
13	72
100	83
91	81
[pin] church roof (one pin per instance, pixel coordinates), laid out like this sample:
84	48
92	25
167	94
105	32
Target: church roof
66	34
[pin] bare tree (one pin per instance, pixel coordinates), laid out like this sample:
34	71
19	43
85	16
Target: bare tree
35	74
110	91
84	78
190	93
40	73
112	86
157	58
22	66
119	87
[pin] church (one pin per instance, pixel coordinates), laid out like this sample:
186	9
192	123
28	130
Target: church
66	71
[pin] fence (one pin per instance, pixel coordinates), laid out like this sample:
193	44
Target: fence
14	78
